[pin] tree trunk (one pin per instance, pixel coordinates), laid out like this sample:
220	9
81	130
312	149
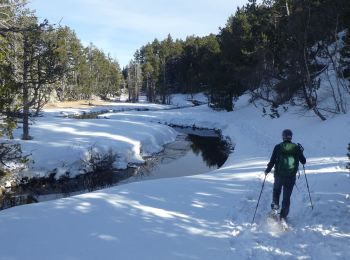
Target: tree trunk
25	90
311	104
311	100
229	106
287	8
164	84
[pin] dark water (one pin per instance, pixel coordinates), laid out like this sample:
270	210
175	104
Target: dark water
213	150
193	152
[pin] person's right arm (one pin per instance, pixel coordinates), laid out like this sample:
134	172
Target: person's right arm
302	158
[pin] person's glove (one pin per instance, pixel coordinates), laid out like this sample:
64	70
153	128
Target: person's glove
266	172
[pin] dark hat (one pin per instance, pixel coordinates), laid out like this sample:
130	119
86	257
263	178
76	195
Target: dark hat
287	134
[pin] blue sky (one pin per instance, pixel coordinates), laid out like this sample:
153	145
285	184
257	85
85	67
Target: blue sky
119	27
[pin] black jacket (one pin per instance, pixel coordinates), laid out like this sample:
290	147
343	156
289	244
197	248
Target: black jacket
275	154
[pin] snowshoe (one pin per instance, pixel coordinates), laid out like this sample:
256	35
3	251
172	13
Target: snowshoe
274	214
284	224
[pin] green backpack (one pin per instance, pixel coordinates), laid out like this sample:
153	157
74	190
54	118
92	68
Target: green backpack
287	163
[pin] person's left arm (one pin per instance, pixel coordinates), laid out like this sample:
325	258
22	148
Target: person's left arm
272	160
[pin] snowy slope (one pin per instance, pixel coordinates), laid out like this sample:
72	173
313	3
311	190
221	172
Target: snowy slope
62	143
203	216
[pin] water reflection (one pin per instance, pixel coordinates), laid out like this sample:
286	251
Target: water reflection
193	152
214	150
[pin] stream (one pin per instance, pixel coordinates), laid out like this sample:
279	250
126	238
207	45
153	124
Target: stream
195	151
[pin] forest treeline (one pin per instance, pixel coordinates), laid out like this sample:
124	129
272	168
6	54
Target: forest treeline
275	49
39	59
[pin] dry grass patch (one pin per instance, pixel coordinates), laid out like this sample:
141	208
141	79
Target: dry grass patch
77	104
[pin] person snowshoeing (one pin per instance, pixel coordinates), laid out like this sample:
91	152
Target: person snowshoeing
285	157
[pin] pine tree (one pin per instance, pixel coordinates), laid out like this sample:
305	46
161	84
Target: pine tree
345	56
134	80
39	68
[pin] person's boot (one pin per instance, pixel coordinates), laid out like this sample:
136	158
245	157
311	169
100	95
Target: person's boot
274	210
275	206
283	215
283	221
283	218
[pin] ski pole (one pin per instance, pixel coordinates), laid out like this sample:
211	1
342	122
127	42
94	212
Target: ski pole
296	186
307	184
259	198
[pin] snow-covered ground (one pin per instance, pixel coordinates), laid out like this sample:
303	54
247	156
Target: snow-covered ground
199	217
62	143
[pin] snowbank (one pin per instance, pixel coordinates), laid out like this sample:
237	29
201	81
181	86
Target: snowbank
200	217
62	143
